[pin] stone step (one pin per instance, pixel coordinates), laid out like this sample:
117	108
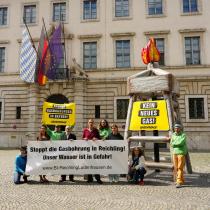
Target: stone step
155	139
159	165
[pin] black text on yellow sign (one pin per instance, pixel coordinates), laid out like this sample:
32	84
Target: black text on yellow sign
149	115
58	114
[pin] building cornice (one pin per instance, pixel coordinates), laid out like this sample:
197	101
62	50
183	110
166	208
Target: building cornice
157	32
4	41
126	34
195	30
90	36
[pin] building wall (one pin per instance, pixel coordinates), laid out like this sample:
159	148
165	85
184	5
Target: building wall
107	82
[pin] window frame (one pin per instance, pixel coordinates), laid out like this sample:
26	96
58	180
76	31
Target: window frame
115	107
37	13
89	41
200	61
205	97
82	20
130	10
5	6
5	58
199	7
2	110
52	10
155	15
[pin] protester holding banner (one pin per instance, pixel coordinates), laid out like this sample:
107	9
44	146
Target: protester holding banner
68	136
92	133
104	129
114	135
136	166
20	166
57	134
43	137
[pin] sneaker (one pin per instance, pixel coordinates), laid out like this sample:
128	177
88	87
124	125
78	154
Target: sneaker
178	185
99	181
71	180
89	180
62	180
141	182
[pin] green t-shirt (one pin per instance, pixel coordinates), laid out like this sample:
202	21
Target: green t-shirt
54	135
104	132
178	143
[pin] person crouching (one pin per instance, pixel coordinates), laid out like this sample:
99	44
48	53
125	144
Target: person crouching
136	167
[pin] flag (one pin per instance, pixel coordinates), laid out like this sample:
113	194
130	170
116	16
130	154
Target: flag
40	78
150	53
27	58
53	55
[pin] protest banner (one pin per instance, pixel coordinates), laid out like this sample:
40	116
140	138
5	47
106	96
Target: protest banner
149	115
77	157
58	114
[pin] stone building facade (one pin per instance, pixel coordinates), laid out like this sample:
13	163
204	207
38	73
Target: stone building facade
105	38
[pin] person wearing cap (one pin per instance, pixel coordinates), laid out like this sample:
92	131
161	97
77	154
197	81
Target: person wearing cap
179	148
57	134
20	166
68	136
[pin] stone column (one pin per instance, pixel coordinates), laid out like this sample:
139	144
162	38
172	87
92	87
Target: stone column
33	124
79	96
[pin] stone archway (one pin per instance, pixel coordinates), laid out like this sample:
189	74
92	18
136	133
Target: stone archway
57	99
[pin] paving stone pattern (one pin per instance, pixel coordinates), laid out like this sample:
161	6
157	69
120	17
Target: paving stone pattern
158	192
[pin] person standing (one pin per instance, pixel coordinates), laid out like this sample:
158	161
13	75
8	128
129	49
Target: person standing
68	136
20	166
43	137
179	148
57	134
92	133
114	135
104	129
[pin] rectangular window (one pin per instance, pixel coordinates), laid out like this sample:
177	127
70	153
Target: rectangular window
0	110
155	7
3	16
59	11
122	108
196	108
192	50
190	6
18	112
60	72
89	9
90	55
122	53
2	59
121	8
97	111
29	13
161	46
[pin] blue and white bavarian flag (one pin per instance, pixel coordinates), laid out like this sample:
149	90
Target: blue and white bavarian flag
27	58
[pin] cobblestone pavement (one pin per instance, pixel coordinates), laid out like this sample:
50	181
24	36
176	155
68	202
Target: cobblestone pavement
158	192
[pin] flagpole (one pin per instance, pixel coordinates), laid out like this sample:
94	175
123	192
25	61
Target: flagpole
45	31
64	41
24	21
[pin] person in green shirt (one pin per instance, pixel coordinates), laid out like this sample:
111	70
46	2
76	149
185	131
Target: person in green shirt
57	134
179	148
104	129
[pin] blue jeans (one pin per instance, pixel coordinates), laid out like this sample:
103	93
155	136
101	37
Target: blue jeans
17	177
137	174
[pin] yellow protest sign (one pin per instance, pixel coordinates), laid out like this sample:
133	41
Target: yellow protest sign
149	115
58	114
